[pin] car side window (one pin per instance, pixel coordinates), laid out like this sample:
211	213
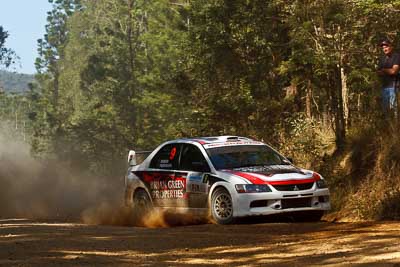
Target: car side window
166	158
193	160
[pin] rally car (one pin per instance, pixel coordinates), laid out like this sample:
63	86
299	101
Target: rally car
225	176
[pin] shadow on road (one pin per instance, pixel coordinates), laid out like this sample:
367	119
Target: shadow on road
24	242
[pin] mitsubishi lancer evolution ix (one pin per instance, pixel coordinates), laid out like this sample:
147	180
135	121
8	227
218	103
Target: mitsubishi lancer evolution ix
225	176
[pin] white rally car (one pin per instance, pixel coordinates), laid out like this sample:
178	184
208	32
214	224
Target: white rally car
226	176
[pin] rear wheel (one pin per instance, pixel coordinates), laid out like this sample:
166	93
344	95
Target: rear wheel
222	206
141	204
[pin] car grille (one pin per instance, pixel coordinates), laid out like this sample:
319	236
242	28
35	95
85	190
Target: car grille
296	203
293	187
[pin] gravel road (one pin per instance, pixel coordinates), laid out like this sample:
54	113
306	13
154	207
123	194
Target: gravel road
50	243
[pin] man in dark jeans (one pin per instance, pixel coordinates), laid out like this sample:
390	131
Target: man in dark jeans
388	69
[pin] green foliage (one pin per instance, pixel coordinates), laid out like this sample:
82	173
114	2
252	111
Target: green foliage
115	75
17	114
7	55
233	57
305	140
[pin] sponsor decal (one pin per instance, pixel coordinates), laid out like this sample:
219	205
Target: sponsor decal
238	143
206	178
195	177
163	189
165	185
164	163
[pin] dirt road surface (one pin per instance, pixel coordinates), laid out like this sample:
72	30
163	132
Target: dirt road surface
34	243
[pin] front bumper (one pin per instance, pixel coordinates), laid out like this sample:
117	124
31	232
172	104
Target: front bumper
276	202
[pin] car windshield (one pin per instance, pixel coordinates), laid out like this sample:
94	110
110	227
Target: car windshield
231	157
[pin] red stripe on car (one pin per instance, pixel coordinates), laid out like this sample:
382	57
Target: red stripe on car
256	180
305	181
251	178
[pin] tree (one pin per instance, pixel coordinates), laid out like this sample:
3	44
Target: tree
120	74
51	54
117	78
7	55
234	48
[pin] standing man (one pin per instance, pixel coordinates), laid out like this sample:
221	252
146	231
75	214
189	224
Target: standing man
388	69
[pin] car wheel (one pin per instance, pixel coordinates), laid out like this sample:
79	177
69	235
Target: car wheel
141	204
222	206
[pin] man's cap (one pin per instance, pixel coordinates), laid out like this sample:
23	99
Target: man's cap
385	42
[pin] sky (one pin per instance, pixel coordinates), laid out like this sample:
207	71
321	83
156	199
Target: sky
25	21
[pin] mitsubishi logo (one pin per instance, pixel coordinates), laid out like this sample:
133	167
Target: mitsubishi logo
295	188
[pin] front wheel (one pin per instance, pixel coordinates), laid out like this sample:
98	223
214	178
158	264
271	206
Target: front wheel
221	206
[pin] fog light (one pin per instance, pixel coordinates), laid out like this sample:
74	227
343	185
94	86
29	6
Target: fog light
277	206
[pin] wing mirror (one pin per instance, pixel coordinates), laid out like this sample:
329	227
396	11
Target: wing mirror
132	158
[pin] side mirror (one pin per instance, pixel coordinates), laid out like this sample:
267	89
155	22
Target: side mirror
132	158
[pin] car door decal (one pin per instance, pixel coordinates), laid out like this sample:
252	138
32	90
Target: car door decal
164	186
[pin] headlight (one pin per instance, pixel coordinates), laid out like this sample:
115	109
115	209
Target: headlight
252	188
321	183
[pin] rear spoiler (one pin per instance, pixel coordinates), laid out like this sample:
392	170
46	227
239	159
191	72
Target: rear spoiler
132	161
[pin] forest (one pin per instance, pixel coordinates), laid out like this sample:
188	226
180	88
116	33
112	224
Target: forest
115	75
15	82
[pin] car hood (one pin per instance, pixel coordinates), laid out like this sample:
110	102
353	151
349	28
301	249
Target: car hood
272	174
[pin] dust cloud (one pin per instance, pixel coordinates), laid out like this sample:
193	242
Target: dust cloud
161	218
106	214
49	190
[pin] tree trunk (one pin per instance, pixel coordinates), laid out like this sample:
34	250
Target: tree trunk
337	109
130	41
56	87
308	99
345	95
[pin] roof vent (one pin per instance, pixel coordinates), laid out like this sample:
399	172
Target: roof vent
232	138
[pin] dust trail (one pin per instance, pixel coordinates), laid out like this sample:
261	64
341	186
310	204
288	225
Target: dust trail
47	189
160	218
106	214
